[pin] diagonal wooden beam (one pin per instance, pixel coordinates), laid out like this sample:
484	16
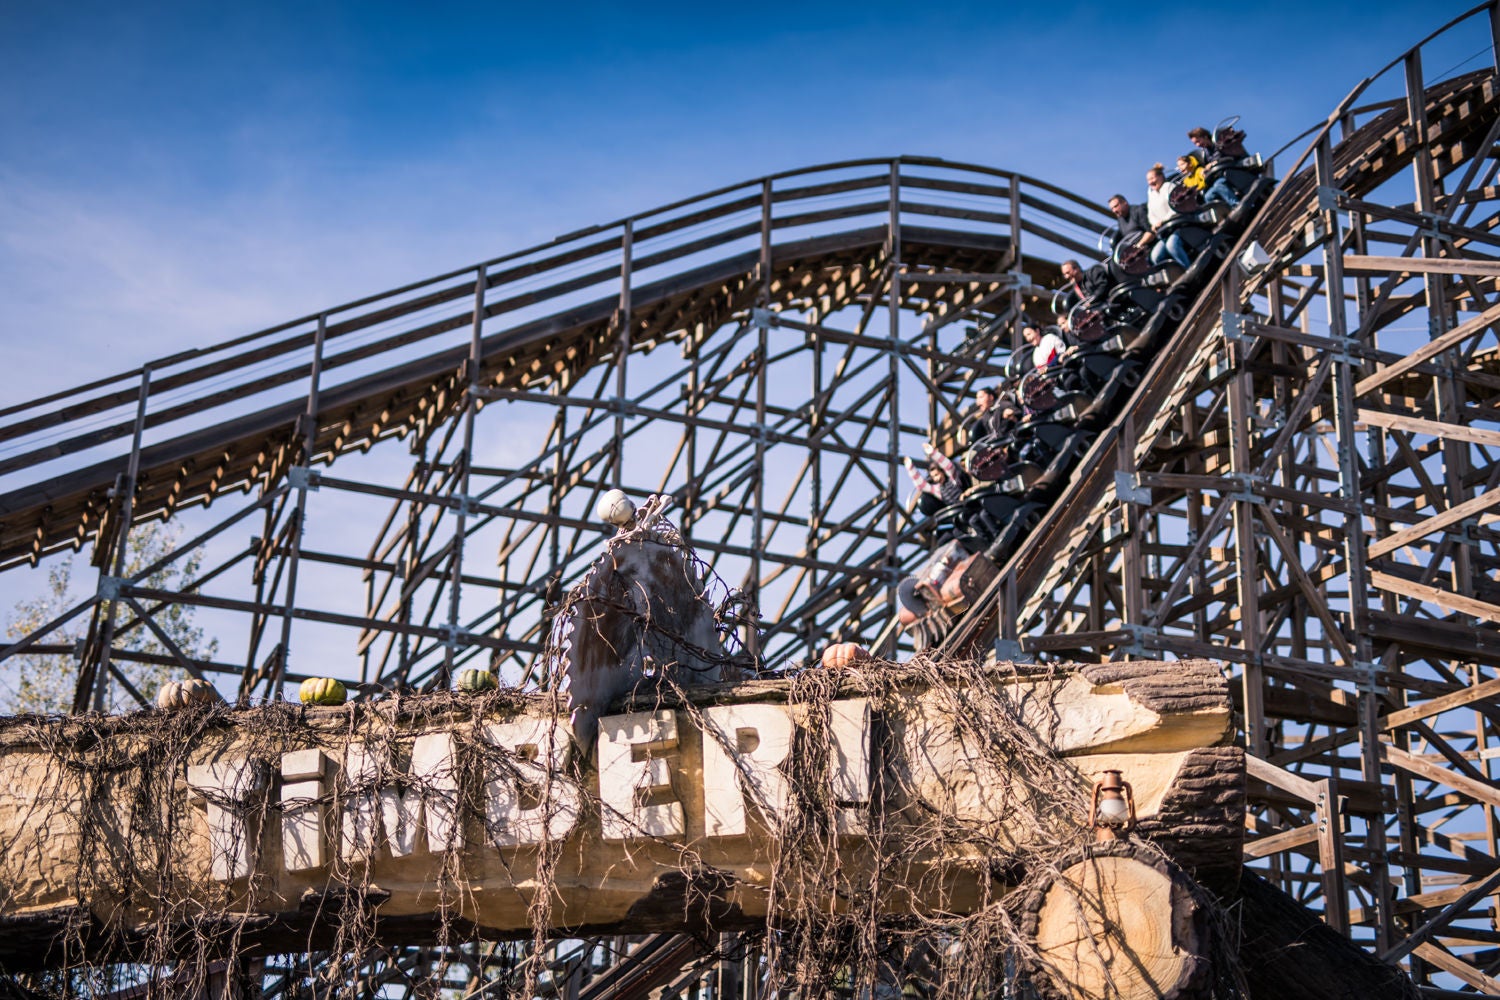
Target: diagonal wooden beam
1484	791
1428	351
1433	595
1453	965
1316	599
1442	703
1421	425
1436	522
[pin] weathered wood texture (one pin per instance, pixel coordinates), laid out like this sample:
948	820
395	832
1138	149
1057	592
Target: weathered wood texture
641	852
1120	921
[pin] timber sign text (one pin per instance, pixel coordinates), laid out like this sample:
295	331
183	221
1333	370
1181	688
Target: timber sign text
398	797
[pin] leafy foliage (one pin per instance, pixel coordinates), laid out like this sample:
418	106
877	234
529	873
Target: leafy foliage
43	682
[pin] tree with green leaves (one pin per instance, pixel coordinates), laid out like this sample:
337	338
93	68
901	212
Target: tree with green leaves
44	682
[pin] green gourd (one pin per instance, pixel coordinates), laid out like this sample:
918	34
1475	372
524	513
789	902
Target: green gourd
473	680
322	691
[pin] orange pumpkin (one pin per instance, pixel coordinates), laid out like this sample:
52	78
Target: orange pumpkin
844	654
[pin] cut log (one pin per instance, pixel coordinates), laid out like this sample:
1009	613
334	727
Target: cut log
1121	922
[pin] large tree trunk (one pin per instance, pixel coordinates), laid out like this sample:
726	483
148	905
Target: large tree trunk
1119	921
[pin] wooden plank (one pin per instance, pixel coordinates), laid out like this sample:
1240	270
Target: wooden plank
1456	966
1428	350
1483	791
1284	841
1436	522
1419	902
1280	777
1432	595
1440	704
1330	834
1421	425
1421	265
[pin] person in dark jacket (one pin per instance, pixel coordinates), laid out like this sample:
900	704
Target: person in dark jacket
1131	223
977	425
1084	286
1211	153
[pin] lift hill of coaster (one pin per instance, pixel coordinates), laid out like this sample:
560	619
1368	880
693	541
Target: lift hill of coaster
1281	461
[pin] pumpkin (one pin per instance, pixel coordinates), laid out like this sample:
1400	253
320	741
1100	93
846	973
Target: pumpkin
322	691
614	507
844	654
474	680
181	694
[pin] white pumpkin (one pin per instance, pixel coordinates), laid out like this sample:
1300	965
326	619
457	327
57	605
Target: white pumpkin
614	507
181	694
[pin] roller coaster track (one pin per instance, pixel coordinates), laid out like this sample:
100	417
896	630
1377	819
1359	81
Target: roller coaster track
722	276
1302	485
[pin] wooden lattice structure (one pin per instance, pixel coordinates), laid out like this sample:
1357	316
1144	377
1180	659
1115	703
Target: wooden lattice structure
1302	484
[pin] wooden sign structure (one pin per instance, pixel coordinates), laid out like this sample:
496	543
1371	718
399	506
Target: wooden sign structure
931	791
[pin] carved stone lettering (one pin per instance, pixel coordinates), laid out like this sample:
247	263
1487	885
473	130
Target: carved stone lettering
850	725
743	745
434	771
379	818
302	810
527	797
227	788
634	776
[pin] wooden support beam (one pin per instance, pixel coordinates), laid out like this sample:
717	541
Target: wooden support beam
1455	966
1469	508
1421	265
1428	351
1287	840
1486	792
1433	595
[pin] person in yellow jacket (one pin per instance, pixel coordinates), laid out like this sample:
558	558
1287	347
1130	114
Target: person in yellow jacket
1191	169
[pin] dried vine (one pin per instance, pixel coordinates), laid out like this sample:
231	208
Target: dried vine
840	871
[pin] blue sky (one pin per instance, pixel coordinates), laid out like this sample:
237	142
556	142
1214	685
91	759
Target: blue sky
172	174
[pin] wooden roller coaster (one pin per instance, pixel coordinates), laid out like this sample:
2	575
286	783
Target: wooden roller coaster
1302	486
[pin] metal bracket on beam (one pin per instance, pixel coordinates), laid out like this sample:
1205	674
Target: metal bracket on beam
1129	489
1234	326
1328	198
1332	810
1010	650
763	318
1023	284
303	478
1314	233
1137	633
110	587
453	635
1433	226
1249	487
